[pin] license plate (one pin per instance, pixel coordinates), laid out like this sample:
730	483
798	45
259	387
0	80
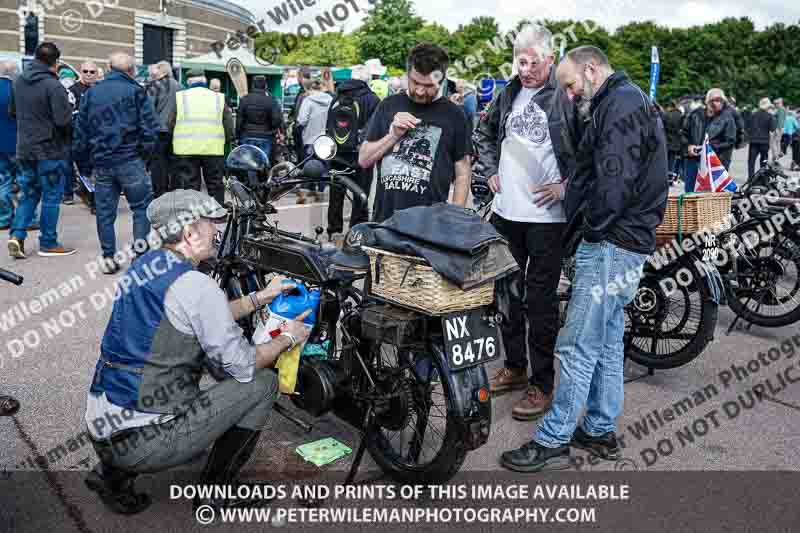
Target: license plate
711	249
470	339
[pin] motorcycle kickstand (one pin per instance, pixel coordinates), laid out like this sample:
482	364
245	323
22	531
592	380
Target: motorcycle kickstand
747	327
362	447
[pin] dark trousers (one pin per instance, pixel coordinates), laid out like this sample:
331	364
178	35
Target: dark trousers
675	163
786	140
757	152
532	293
359	212
187	174
160	165
796	150
691	166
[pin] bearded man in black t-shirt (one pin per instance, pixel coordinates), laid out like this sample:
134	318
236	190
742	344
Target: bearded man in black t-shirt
420	140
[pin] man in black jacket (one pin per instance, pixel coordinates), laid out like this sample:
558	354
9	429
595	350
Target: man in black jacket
615	200
162	90
519	145
44	118
259	118
717	121
762	127
367	103
88	77
673	122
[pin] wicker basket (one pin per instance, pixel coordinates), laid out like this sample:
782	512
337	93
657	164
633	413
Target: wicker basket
412	282
697	212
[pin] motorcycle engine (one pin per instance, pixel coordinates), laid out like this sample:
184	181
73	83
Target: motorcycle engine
316	386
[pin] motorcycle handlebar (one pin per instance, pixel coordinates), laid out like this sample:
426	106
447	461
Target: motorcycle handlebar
238	190
357	191
10	277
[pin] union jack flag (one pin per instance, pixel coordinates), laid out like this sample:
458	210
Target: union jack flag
712	175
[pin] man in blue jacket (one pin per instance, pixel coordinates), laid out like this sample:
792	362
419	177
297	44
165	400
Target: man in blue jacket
44	116
117	129
8	144
614	202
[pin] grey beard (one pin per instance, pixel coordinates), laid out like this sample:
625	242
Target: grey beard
586	100
583	107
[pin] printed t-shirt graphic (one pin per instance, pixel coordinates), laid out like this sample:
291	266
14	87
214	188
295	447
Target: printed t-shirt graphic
408	166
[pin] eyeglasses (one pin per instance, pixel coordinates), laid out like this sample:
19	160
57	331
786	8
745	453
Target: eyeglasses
90	72
716	100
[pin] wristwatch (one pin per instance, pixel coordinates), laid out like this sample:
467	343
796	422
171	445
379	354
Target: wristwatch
292	339
254	300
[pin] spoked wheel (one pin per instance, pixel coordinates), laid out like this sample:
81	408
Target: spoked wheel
668	325
768	283
413	435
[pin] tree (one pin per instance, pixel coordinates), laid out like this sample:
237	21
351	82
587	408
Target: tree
326	49
389	32
436	34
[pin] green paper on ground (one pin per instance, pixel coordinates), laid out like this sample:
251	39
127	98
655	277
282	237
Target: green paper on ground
323	452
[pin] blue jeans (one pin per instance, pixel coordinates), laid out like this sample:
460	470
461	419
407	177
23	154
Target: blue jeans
132	178
8	170
263	143
40	181
590	346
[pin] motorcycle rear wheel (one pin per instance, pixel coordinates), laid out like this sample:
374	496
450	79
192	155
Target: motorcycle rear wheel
420	420
665	331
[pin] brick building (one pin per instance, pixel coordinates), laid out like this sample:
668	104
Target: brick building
150	30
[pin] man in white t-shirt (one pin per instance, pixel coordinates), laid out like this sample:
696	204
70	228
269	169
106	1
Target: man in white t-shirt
518	143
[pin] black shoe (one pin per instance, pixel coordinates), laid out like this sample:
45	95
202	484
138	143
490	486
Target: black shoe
109	266
533	457
8	406
604	446
115	489
228	455
68	200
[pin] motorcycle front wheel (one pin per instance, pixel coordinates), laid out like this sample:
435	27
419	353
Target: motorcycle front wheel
413	436
767	291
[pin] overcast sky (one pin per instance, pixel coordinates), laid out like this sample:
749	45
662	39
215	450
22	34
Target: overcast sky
609	13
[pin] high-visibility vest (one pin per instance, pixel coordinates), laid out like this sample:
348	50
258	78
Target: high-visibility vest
198	126
380	88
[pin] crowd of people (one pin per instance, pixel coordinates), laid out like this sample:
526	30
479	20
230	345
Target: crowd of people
769	130
545	142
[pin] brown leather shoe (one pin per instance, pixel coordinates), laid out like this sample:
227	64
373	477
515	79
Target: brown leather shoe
533	405
58	251
507	379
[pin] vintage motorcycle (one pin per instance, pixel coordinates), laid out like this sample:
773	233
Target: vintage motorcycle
761	263
389	371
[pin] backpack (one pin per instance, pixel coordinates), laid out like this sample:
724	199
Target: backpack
344	123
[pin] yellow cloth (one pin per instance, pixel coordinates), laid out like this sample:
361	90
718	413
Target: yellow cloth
198	126
287	365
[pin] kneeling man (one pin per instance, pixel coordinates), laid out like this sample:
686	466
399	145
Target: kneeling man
145	410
